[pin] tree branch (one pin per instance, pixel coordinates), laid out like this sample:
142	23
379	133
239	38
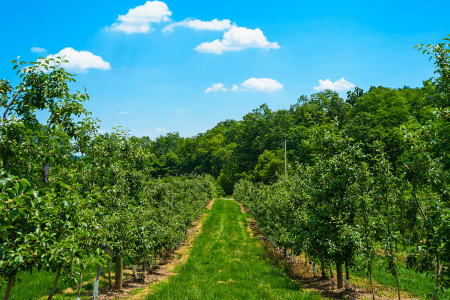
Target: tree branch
10	103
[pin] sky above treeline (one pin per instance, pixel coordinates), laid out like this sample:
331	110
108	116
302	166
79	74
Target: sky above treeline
156	67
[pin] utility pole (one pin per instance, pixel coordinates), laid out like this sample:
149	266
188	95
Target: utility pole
285	169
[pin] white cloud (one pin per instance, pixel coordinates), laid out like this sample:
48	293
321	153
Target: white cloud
200	25
180	110
235	88
37	50
138	19
81	60
265	85
101	131
216	87
237	38
160	129
339	85
123	112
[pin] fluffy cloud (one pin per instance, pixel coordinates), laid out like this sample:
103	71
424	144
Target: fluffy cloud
265	85
138	19
37	50
216	87
160	129
339	85
81	60
237	38
200	25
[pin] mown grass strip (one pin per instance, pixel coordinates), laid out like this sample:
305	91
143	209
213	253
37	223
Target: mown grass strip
226	263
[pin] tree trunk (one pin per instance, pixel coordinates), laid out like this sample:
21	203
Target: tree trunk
371	284
438	273
134	272
331	269
56	283
398	284
347	271
324	273
80	282
314	268
285	252
396	248
417	202
118	280
99	269
143	271
9	287
109	274
392	261
339	275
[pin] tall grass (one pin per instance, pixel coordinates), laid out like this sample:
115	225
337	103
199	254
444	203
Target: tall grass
36	285
418	284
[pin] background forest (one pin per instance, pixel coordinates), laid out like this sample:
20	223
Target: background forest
253	148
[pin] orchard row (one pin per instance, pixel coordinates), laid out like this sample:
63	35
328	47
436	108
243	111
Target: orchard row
71	197
351	209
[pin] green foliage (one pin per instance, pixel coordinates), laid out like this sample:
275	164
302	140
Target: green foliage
441	55
363	174
64	220
378	176
270	166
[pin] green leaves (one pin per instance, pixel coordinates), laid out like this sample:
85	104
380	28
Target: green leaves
441	55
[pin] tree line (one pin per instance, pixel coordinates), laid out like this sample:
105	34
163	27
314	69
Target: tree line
253	148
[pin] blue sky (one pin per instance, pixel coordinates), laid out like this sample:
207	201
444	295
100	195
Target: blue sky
156	67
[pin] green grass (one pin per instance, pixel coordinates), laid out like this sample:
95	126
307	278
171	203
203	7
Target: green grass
31	286
417	284
226	263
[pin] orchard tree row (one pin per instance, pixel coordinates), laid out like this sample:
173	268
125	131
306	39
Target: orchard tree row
253	148
71	197
350	209
353	195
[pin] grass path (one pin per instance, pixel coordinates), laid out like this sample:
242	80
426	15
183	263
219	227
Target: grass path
226	263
